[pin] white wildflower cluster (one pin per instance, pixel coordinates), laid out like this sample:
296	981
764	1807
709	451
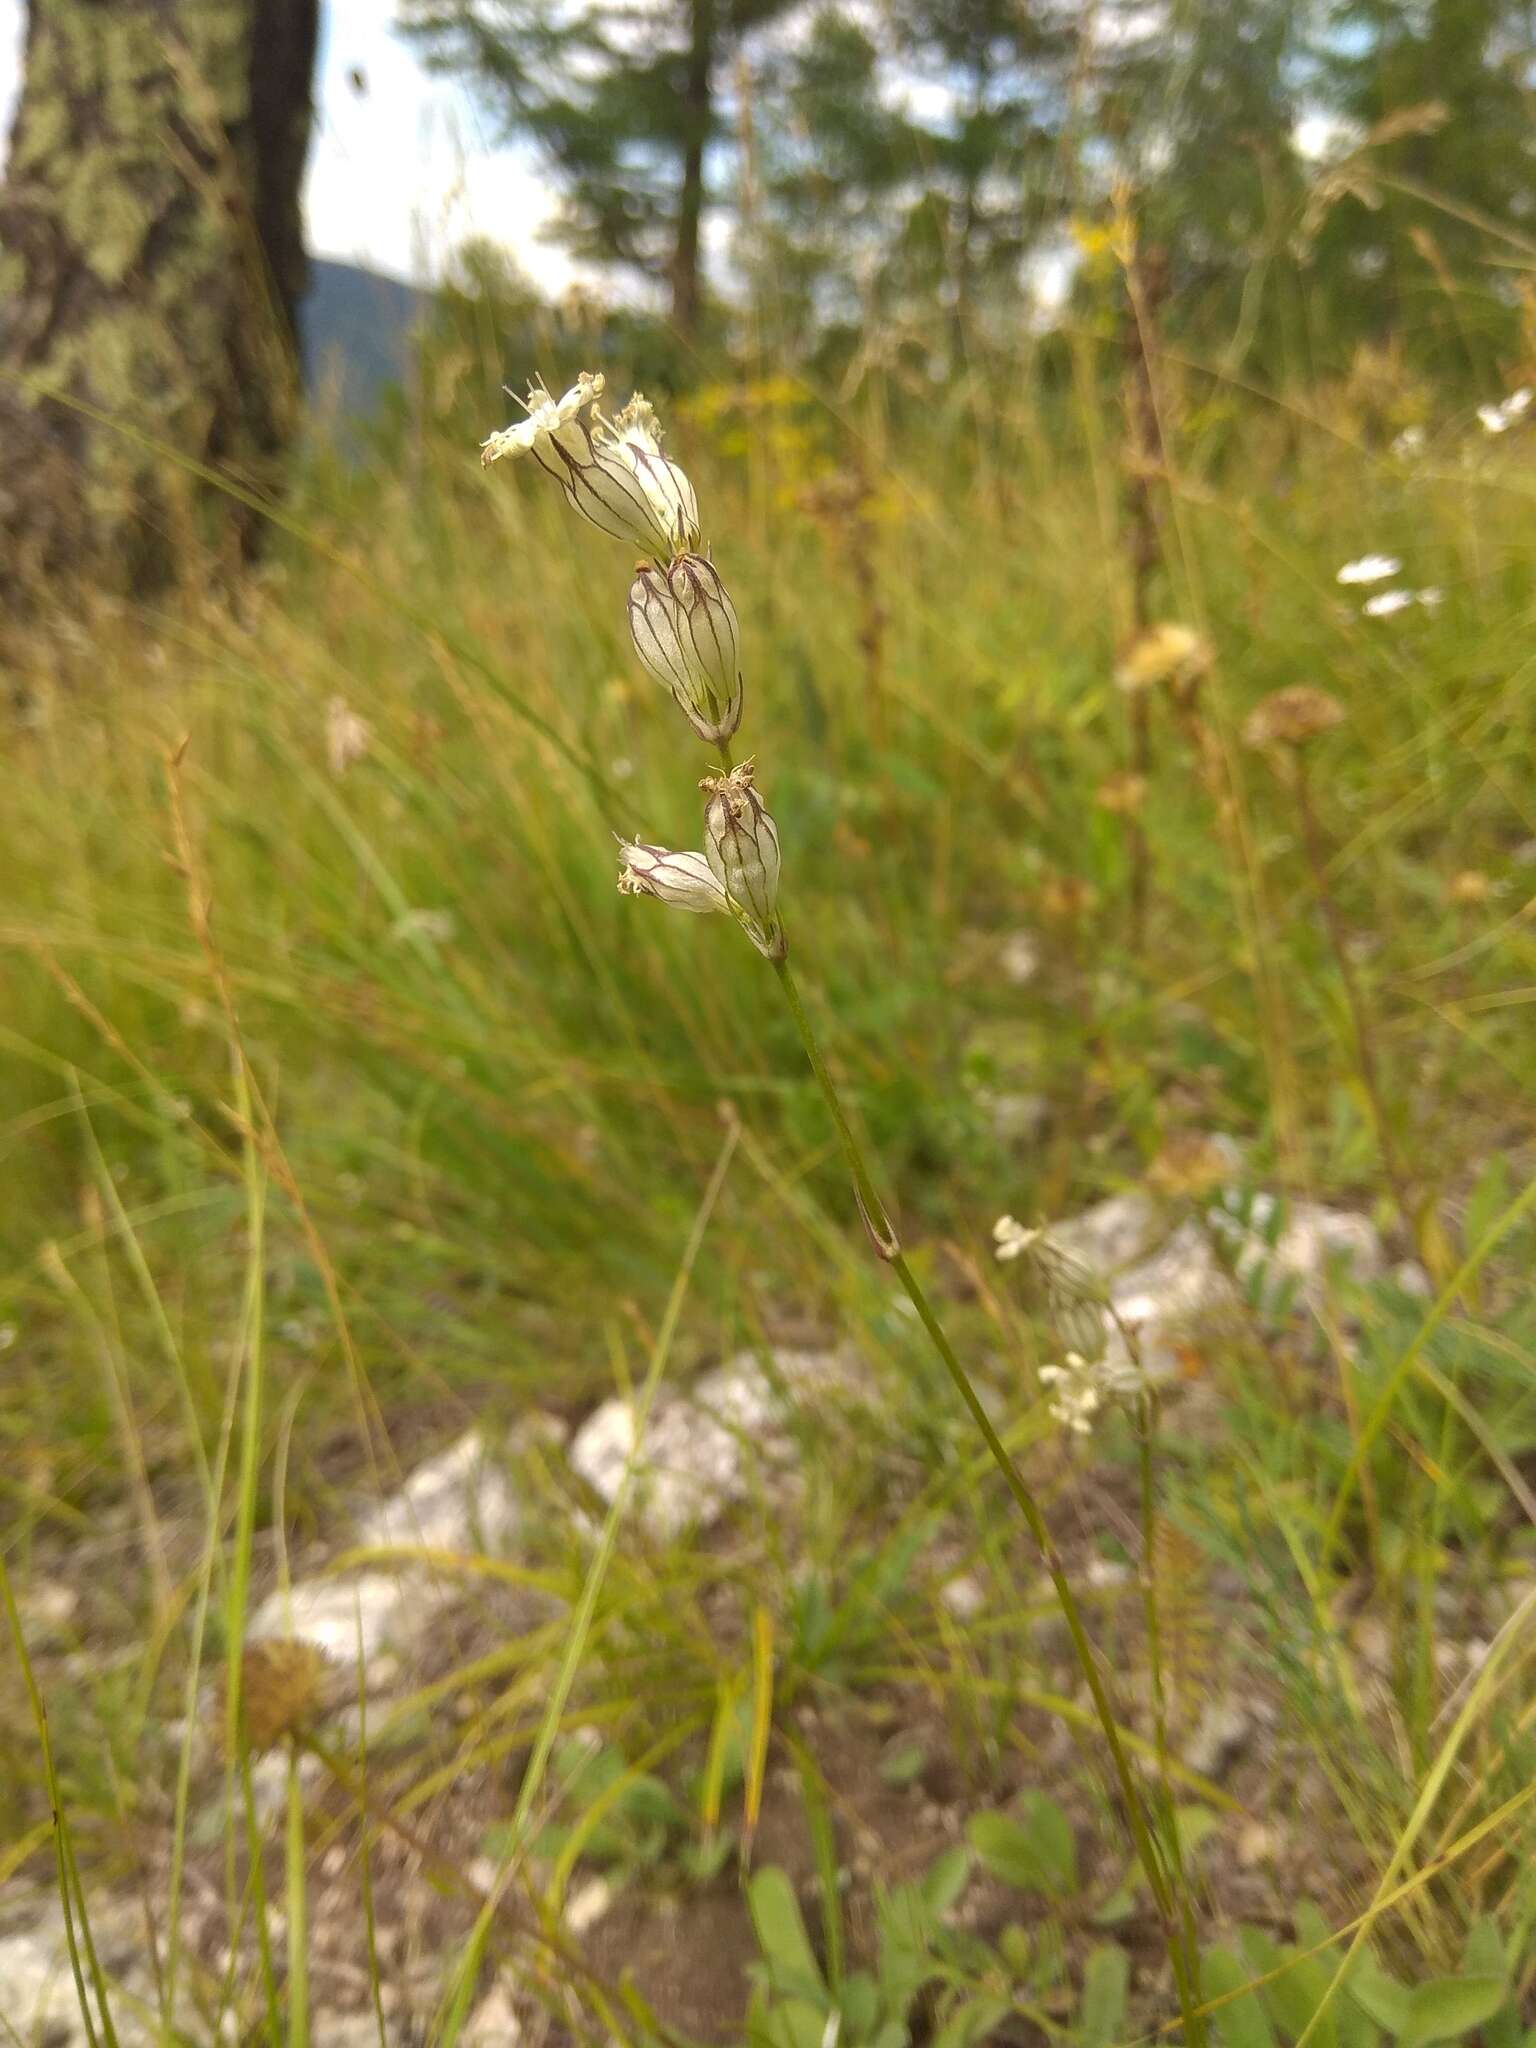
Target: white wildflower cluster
685	633
1370	569
1080	1387
1384	603
1498	419
1011	1239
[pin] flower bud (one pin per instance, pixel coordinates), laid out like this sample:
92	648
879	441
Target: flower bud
629	489
741	843
684	628
684	880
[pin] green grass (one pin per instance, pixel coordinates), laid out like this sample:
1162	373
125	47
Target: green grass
368	1108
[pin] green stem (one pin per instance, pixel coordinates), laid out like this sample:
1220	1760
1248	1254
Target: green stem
1185	1967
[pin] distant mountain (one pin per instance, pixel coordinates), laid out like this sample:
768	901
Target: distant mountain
356	328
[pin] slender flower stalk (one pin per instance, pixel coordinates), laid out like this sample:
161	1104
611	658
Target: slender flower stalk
685	633
1174	1912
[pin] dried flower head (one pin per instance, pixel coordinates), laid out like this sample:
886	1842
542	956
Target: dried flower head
1292	716
684	629
1469	888
1167	655
741	843
283	1687
612	471
1122	794
1195	1163
1066	898
347	737
684	880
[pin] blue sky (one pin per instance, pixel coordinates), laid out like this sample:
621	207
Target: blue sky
401	173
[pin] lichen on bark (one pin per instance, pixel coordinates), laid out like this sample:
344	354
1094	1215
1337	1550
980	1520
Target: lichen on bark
153	262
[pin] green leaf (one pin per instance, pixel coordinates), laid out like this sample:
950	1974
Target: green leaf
901	1766
1447	2007
947	1877
1484	1954
1378	1993
1106	1975
795	2024
1016	1948
973	2022
1035	1853
1243	2023
859	2004
1293	1998
781	1932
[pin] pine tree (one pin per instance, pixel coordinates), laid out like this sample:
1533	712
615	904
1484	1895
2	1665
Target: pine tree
1441	95
623	101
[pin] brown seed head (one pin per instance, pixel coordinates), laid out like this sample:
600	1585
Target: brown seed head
1291	717
283	1684
1123	794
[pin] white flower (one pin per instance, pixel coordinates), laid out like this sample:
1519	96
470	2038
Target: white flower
1431	599
1082	1386
1409	443
741	843
1386	602
684	629
1369	569
552	423
1497	419
684	880
1011	1237
612	471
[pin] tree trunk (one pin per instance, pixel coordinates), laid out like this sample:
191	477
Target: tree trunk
698	108
152	261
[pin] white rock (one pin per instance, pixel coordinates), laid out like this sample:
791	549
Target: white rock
1014	1119
269	1782
494	2022
965	1597
47	1608
337	1614
1412	1278
699	1448
587	1905
1159	1290
1312	1239
38	1999
1111	1233
39	1991
462	1499
1221	1732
